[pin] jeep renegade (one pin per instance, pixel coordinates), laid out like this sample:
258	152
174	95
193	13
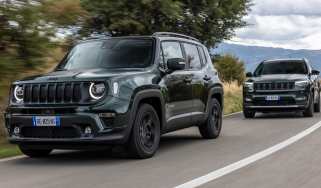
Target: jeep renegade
118	91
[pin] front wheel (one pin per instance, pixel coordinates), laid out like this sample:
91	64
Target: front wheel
211	129
309	111
35	153
145	137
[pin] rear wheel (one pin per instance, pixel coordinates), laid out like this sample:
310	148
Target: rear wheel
309	111
211	129
248	114
317	105
35	153
145	136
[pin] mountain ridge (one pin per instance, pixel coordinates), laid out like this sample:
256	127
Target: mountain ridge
253	55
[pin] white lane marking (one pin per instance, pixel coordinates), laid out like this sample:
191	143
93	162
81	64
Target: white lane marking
232	114
242	163
12	158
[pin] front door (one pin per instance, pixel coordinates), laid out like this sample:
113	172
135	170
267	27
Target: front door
179	98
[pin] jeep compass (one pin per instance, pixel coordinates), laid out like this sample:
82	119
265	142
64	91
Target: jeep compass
282	85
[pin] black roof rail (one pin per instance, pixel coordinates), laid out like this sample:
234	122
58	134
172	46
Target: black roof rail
171	34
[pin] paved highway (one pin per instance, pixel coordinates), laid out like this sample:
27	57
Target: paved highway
184	157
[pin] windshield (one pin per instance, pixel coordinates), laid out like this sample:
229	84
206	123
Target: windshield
282	67
111	53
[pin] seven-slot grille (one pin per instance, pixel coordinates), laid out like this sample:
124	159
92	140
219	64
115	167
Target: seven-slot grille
274	86
55	93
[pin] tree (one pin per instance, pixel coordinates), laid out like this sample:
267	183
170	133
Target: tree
230	69
28	27
211	21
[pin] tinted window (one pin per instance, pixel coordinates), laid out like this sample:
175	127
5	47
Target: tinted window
203	57
171	50
112	53
282	67
192	57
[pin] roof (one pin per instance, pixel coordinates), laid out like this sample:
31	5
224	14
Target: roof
286	59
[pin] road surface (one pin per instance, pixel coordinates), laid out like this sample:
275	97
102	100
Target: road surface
184	156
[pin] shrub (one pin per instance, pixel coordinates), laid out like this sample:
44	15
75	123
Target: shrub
230	69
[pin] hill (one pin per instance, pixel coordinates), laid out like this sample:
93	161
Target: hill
252	55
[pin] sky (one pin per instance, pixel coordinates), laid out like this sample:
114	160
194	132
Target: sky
291	24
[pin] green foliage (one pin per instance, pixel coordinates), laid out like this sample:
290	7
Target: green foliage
230	69
27	30
64	13
211	21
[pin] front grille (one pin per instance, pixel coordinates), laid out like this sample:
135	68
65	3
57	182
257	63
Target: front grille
274	86
56	93
50	132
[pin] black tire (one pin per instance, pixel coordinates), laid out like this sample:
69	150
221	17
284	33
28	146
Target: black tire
211	129
309	111
248	114
317	105
145	136
35	153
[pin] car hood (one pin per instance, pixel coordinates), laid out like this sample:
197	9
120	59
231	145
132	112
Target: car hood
280	77
72	75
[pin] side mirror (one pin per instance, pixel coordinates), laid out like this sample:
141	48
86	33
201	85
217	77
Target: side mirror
315	72
176	64
249	75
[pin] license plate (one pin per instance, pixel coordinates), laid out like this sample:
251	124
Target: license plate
272	98
46	121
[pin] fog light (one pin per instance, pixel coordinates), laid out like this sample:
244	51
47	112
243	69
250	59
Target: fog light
88	130
16	130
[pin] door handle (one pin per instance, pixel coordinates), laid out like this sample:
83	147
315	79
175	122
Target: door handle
187	80
207	78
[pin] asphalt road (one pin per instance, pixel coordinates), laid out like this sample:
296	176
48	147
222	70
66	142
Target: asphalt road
184	156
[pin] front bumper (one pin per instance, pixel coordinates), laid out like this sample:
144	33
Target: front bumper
71	133
289	101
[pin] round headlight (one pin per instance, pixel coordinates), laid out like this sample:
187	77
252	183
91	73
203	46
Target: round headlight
18	93
97	90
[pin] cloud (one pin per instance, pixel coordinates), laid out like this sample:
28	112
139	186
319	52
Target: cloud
294	24
287	7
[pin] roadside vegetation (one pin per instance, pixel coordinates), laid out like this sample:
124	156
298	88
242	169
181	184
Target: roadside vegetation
232	98
232	72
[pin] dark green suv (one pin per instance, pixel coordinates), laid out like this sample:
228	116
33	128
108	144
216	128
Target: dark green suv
118	91
282	85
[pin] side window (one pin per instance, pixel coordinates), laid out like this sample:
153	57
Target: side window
171	50
203	57
193	60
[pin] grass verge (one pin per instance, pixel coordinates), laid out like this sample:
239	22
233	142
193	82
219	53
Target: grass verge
8	150
232	98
